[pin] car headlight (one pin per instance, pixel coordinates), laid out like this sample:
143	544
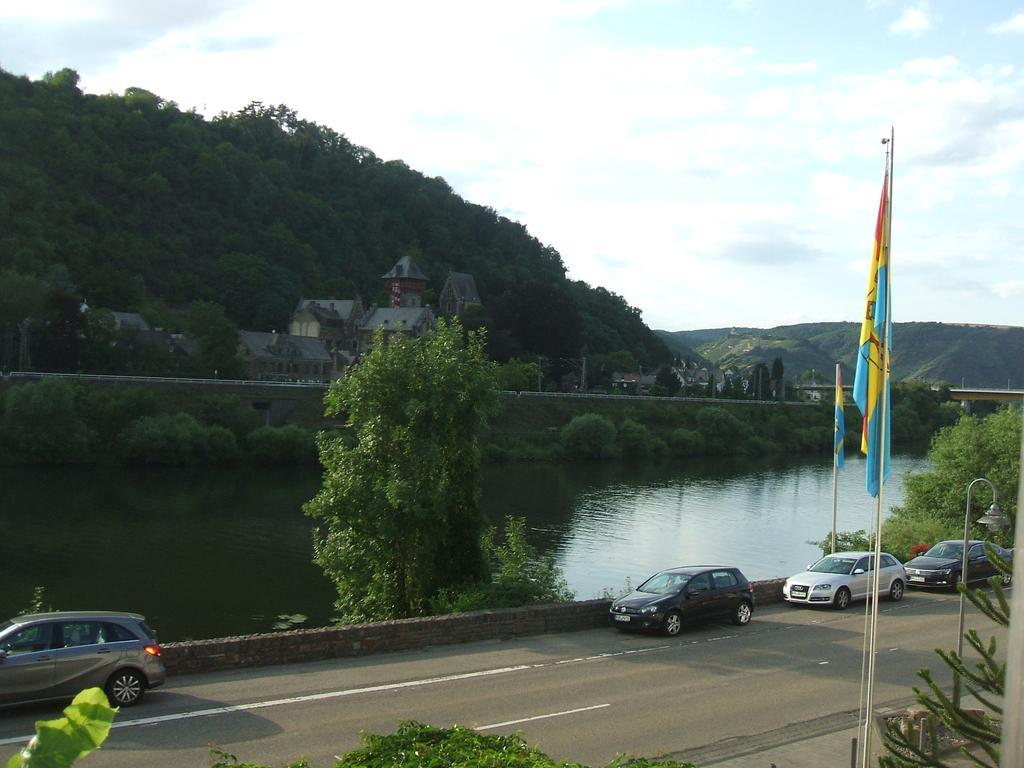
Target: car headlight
820	587
945	571
650	609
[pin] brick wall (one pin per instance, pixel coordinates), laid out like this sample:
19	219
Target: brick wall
400	635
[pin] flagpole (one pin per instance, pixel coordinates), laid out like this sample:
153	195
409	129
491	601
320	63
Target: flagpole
882	444
835	469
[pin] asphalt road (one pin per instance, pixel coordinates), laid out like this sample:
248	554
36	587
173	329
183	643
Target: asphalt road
713	692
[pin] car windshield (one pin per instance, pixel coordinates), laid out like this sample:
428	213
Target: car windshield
946	549
834	564
664	583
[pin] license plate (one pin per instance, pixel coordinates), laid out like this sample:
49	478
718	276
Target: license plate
916	578
798	593
622	618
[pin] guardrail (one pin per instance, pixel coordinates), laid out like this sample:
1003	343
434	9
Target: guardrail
323	385
162	379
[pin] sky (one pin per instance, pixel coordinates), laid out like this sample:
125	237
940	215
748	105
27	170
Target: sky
716	163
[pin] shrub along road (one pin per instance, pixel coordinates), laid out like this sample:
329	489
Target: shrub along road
711	693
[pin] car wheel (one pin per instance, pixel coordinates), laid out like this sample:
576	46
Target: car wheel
1006	579
125	688
673	623
741	616
896	591
842	599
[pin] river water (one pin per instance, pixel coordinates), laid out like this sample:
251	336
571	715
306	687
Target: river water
207	553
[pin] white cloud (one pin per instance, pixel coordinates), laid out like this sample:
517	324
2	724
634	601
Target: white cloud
50	10
915	20
934	68
1009	289
1011	26
652	169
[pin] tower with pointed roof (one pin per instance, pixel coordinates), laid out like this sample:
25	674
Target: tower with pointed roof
405	284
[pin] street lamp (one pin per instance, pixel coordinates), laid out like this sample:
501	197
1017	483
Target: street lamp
994	518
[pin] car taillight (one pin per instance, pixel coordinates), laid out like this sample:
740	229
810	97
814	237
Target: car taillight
152	649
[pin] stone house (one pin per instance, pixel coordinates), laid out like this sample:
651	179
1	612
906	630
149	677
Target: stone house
334	321
284	357
458	294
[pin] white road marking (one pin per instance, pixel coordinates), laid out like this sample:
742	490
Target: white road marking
300	699
146	721
540	717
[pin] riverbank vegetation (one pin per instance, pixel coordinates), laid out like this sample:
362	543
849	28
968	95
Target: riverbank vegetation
77	421
934	502
60	422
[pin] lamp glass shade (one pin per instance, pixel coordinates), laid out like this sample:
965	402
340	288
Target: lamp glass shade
994	518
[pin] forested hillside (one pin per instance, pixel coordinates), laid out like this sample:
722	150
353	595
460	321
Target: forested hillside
974	355
129	203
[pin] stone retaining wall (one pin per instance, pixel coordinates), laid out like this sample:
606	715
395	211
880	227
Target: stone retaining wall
400	635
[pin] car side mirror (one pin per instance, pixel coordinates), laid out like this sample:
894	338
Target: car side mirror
858	571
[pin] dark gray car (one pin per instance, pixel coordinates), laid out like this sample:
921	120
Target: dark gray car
46	656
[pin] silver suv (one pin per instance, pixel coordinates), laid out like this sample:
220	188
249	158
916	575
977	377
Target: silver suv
55	655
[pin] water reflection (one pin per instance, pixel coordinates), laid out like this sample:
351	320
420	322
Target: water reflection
607	524
211	553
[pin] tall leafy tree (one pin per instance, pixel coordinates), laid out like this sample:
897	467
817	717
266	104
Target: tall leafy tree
667	379
778	373
398	509
972	448
217	338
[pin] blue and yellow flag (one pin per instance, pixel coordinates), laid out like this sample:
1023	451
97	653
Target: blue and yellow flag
872	382
840	428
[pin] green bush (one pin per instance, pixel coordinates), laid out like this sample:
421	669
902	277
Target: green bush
519	576
108	410
222	447
41	424
289	444
589	436
900	534
846	541
415	745
172	439
686	442
634	440
226	411
723	432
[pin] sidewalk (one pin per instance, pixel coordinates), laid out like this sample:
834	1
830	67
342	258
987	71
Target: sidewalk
823	743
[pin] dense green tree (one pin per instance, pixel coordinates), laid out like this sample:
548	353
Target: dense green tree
760	382
41	424
590	436
723	432
398	510
667	379
518	375
972	448
778	378
634	439
217	339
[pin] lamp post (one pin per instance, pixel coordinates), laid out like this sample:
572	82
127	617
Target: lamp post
994	518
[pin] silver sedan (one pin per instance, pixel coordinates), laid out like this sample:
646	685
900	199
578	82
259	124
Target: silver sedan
838	579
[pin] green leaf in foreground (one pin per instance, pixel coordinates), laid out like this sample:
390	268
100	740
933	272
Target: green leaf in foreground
59	743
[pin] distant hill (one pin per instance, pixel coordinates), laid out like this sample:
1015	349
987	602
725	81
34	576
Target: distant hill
975	355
